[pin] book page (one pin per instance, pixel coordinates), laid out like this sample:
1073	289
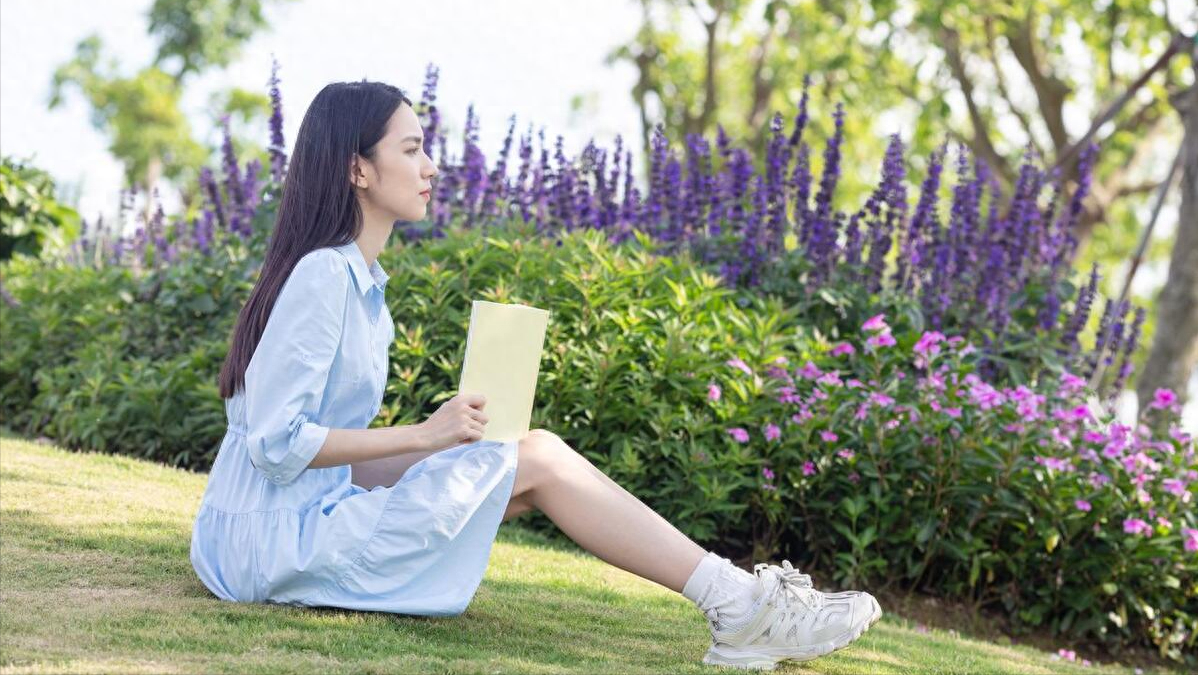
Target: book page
503	359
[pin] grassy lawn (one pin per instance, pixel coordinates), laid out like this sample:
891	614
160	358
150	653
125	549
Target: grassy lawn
95	577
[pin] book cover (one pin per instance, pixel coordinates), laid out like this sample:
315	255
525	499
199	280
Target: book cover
503	359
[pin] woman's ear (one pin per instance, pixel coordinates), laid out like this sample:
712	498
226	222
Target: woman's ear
357	177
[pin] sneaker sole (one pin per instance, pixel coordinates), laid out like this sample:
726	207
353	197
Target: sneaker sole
742	658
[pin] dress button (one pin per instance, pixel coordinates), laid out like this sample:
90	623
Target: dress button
277	477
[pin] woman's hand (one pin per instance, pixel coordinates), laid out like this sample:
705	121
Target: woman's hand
458	421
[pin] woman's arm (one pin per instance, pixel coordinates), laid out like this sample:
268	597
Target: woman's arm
349	446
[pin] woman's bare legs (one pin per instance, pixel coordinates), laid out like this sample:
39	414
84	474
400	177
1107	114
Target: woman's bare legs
598	514
591	508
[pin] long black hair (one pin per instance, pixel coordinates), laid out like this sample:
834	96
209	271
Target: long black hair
319	207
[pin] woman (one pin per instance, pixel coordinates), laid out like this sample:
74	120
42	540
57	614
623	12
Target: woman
307	506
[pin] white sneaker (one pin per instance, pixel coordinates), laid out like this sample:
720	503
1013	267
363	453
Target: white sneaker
790	621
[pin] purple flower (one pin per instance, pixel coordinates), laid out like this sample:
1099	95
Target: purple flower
1082	505
739	434
713	392
845	453
808	468
765	471
828	436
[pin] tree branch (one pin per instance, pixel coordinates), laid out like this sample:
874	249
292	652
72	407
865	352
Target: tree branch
1026	123
1050	91
981	143
709	84
761	88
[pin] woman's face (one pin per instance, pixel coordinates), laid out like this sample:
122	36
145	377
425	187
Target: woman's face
393	181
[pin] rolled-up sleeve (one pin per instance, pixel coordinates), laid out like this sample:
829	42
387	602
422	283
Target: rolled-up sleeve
286	377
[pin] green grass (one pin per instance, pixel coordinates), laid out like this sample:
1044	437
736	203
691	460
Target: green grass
95	577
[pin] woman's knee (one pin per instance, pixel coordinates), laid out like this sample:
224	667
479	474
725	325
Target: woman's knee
543	455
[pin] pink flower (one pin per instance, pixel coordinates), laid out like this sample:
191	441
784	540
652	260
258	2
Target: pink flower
877	322
843	348
765	471
767	486
854	383
926	345
1082	505
881	399
1191	536
1163	398
1070	382
810	371
952	412
772	432
713	392
881	340
808	468
739	434
854	477
845	453
737	363
1136	526
778	373
832	378
1081	412
828	436
1173	486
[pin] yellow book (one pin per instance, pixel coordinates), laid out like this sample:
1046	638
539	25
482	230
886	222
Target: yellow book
503	358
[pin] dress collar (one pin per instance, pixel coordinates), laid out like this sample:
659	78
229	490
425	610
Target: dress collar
367	276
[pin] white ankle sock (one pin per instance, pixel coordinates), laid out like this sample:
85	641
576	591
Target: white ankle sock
718	584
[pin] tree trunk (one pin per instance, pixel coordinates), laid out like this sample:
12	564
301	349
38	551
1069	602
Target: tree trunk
1175	346
153	174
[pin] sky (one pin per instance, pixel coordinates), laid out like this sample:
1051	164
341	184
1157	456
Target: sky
528	58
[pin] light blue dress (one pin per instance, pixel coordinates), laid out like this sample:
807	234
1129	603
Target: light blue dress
269	529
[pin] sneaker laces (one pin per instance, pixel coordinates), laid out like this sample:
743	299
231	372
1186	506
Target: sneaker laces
791	584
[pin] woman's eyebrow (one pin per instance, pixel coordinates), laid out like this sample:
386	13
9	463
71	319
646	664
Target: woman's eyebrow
412	138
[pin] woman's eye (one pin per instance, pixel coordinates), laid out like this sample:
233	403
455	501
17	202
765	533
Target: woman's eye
412	152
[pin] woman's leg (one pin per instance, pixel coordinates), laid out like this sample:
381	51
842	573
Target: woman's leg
599	514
